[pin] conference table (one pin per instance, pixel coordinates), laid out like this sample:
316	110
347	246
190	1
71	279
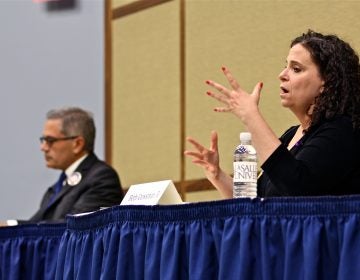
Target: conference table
275	238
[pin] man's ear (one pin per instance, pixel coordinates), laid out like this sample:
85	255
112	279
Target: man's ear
79	144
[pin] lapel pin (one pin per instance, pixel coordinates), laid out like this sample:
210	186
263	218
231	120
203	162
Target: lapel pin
74	179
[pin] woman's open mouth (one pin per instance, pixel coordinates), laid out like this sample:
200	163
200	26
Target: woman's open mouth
284	90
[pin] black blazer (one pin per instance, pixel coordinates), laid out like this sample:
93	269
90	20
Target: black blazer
99	187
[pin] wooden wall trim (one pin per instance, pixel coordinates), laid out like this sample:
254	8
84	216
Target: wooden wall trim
195	185
135	7
182	188
108	80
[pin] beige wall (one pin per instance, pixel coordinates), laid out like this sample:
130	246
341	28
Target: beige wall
250	37
146	95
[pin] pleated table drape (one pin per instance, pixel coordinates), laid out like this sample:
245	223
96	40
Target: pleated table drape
278	238
29	251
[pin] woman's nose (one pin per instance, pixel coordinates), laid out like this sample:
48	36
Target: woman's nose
283	74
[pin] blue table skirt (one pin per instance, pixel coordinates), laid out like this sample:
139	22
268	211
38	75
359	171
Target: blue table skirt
29	251
277	238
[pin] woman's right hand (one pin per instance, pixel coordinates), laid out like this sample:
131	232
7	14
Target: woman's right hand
209	160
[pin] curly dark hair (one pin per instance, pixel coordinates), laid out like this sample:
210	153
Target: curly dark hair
338	64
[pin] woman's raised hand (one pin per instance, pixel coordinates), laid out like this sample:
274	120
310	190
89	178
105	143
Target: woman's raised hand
235	99
208	159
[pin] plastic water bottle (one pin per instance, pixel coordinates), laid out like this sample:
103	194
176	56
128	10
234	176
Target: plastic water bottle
245	168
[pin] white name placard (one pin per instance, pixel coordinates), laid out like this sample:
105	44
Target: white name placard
153	193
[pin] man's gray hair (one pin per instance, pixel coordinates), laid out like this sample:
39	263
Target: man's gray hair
76	122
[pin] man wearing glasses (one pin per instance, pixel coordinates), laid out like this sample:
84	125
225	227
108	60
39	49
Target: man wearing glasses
86	183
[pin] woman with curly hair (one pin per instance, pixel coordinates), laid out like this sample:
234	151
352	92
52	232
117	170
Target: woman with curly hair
321	155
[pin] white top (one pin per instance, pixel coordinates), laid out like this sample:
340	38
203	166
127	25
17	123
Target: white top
245	136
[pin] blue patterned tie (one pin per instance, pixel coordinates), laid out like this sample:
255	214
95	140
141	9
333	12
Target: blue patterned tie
58	186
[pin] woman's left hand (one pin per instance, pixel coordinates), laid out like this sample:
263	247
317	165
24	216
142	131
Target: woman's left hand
236	100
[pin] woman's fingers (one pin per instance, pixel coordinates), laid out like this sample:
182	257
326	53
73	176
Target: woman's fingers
256	91
222	98
219	87
195	156
222	110
196	144
232	81
202	152
214	141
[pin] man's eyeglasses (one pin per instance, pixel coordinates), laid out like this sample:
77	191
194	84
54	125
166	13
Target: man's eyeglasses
51	140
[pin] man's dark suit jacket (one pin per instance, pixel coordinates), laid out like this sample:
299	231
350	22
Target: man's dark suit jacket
99	187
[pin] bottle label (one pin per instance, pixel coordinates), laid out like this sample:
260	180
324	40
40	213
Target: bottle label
245	172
